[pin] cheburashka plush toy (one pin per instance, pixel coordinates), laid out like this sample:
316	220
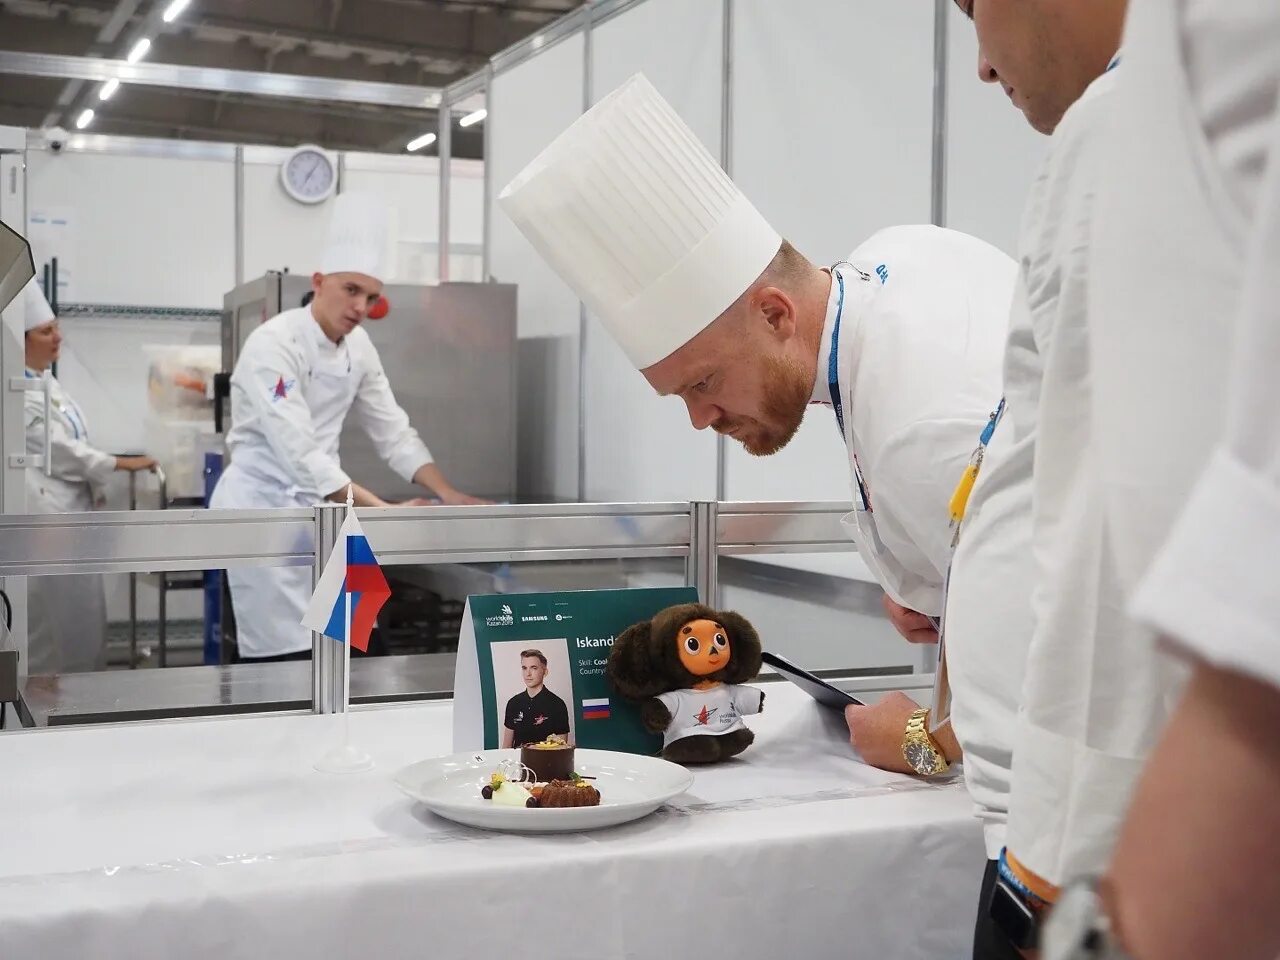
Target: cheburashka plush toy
685	668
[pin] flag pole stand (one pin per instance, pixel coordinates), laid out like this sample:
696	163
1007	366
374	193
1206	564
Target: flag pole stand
344	757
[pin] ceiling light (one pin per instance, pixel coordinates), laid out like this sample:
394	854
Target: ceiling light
472	118
139	50
419	142
109	89
85	118
174	9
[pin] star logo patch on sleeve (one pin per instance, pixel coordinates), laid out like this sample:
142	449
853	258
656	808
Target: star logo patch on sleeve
281	389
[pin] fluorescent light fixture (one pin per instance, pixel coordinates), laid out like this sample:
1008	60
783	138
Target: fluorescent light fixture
417	143
85	118
473	118
174	10
109	89
139	50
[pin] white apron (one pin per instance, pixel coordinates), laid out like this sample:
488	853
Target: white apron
270	601
67	615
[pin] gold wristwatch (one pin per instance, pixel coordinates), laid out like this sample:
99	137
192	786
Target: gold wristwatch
920	750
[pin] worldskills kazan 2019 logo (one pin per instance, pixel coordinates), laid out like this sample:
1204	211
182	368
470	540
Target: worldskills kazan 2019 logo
504	619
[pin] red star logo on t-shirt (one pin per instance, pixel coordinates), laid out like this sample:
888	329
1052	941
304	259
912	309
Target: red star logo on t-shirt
282	389
704	716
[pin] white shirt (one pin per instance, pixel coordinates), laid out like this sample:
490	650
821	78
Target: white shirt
712	712
1094	696
290	394
988	618
921	337
1186	331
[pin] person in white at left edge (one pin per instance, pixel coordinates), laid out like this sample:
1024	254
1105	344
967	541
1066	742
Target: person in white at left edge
67	615
903	340
297	378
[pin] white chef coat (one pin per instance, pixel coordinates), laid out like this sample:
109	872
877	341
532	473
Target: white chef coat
921	336
67	615
1202	402
290	394
1093	695
988	616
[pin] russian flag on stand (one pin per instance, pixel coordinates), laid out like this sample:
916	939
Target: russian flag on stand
352	569
595	709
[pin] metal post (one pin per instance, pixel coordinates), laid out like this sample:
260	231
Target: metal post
938	199
133	583
342	173
328	666
726	161
486	225
445	140
239	214
704	555
587	66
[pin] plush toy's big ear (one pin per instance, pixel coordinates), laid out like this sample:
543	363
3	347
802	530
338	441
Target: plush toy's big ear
631	668
745	662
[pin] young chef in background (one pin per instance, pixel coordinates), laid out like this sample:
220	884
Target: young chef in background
297	378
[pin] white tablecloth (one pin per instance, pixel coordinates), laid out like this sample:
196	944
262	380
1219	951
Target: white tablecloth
217	839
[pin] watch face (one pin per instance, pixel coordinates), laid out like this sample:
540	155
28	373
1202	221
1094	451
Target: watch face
922	759
309	175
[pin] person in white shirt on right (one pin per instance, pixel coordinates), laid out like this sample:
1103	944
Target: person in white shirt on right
1186	335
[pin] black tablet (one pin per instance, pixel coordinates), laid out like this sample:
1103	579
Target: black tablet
816	687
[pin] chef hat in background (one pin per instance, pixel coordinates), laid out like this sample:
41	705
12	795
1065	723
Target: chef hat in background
360	237
634	214
36	309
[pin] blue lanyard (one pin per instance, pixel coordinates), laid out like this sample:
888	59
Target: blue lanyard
833	361
833	388
69	410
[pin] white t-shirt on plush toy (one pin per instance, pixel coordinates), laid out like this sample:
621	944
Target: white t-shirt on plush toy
712	712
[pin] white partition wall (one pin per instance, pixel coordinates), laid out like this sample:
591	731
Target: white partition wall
640	447
141	230
532	102
832	139
992	153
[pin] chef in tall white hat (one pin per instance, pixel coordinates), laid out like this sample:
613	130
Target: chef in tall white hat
67	615
298	376
902	341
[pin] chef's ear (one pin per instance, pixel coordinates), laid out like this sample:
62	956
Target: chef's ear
776	308
316	280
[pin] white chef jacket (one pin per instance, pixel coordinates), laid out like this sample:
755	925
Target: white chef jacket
988	616
1196	414
80	470
290	393
1094	697
921	335
67	615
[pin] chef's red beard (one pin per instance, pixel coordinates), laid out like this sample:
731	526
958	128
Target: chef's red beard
787	389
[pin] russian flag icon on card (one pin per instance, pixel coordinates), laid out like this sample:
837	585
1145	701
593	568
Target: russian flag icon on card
595	709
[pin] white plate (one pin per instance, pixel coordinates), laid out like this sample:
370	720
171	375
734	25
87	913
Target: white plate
630	787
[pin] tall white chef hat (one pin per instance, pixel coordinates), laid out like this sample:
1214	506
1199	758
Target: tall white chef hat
36	309
633	213
359	238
